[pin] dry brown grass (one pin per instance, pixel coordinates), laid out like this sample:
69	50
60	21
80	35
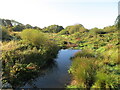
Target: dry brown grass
9	45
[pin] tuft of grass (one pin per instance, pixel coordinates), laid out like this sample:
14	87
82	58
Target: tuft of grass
83	70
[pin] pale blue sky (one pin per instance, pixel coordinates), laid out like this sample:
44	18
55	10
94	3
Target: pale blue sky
90	13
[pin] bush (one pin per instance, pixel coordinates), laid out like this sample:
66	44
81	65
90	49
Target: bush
5	34
63	32
111	56
21	59
35	37
110	29
96	31
106	80
84	53
75	28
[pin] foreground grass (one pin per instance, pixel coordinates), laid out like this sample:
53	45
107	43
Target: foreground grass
96	66
23	59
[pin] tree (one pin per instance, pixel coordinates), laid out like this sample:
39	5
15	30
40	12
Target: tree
95	31
110	28
53	29
18	27
28	26
37	28
76	28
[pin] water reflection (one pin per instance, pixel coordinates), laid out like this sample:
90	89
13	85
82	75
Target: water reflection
53	75
51	66
29	77
56	75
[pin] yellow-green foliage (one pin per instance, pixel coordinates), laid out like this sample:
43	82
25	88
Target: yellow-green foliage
106	80
12	45
21	59
83	69
35	37
111	55
110	29
101	71
63	32
76	28
85	53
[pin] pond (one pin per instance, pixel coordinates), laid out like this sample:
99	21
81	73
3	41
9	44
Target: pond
57	76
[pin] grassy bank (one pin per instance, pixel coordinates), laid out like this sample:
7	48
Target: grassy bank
98	64
24	58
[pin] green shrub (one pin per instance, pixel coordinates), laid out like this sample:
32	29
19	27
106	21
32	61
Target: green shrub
76	28
63	32
112	55
95	31
110	29
35	37
5	33
107	78
84	53
26	58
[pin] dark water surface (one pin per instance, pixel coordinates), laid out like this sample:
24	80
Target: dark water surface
57	76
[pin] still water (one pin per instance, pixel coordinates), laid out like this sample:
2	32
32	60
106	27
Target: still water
57	76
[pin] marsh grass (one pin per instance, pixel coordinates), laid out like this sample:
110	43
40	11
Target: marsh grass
85	53
84	69
96	70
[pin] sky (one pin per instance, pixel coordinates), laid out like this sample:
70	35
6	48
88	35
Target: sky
42	13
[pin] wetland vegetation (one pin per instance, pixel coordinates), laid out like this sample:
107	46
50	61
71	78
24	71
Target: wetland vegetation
27	50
